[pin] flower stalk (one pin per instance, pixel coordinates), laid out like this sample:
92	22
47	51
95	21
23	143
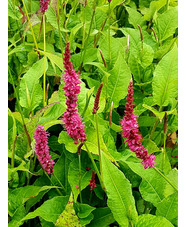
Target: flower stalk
132	134
71	117
95	167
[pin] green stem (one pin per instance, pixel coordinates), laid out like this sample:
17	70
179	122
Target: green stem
79	157
20	110
59	31
154	128
44	67
87	39
13	152
30	5
59	182
53	183
109	37
99	150
165	178
33	35
155	125
71	11
83	40
16	20
95	167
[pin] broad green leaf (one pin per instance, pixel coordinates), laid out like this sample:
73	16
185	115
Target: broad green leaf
153	188
84	210
136	18
56	59
173	177
118	81
135	40
162	162
73	177
73	32
21	167
68	141
18	215
147	220
118	189
153	9
61	169
100	66
150	145
165	81
50	209
117	45
30	91
167	23
68	217
52	18
114	3
19	196
168	208
102	217
158	114
87	220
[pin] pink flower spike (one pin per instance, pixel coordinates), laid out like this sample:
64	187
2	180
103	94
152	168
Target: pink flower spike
42	149
71	117
44	5
131	131
77	186
92	183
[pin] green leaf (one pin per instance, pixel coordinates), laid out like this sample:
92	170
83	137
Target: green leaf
68	141
136	18
68	217
150	145
118	81
87	220
146	220
30	91
18	215
117	45
56	59
84	210
153	187
50	209
158	114
73	176
167	23
118	189
168	208
165	81
153	9
162	162
102	217
19	196
61	169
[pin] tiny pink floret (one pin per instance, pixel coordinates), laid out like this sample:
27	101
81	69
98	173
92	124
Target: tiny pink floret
92	183
44	5
42	149
132	134
73	122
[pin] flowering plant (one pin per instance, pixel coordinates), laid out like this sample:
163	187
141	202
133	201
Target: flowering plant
88	145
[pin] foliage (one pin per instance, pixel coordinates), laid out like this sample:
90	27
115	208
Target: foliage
110	43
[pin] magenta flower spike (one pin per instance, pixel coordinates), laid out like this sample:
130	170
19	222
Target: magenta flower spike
44	5
131	132
92	183
71	117
42	149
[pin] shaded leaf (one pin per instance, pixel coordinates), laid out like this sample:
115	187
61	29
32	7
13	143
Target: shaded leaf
118	189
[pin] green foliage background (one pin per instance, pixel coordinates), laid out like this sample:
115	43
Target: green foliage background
110	43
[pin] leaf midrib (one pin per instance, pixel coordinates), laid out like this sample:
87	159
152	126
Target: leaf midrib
116	188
